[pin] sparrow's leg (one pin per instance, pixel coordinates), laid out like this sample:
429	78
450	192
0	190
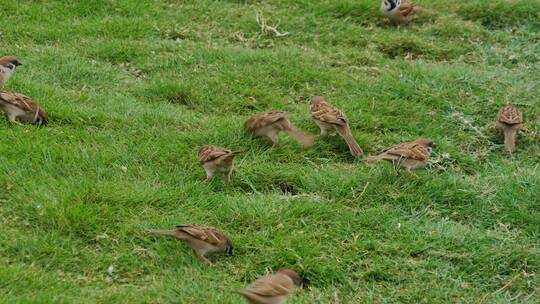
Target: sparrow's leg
396	165
408	169
328	132
13	119
413	174
203	258
227	176
325	130
274	139
209	177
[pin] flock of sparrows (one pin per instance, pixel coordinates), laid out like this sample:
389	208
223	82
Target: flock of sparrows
202	239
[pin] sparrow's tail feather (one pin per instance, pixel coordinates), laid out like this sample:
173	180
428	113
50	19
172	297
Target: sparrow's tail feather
162	232
302	138
351	142
510	139
418	9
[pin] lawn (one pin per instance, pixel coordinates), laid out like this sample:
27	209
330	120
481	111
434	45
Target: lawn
134	87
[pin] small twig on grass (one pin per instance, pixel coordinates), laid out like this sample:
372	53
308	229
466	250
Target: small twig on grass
265	28
362	193
505	286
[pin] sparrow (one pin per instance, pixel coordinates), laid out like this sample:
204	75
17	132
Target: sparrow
409	155
21	109
8	64
269	124
509	120
271	289
330	119
202	239
401	11
217	160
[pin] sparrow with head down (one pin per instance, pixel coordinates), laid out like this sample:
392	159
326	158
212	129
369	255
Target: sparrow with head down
21	109
269	124
509	120
272	289
215	159
330	119
8	65
202	239
409	155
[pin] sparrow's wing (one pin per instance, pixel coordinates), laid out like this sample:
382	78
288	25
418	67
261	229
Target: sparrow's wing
272	286
208	153
406	8
409	150
264	119
510	115
20	101
326	113
204	233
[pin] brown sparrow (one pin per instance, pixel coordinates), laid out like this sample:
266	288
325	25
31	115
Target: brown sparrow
8	64
330	119
217	160
201	239
509	120
272	289
401	11
269	124
409	155
20	108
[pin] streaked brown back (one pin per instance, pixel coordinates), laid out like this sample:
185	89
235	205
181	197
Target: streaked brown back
209	152
21	101
510	115
205	233
261	120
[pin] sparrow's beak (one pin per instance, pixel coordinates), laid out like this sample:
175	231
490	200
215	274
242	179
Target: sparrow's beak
18	63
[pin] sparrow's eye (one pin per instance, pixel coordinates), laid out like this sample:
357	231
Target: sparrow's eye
10	66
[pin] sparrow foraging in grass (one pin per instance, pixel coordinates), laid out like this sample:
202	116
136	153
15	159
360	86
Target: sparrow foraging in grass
409	155
269	124
509	120
201	239
217	160
8	65
271	289
330	119
401	11
20	109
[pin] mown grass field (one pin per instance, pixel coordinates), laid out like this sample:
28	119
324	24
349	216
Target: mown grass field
134	88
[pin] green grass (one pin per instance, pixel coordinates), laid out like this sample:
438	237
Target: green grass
143	84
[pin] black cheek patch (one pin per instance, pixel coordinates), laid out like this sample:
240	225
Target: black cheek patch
392	5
